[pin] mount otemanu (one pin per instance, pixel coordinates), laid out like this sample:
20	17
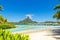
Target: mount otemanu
27	20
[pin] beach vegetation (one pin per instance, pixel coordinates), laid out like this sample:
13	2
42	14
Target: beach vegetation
1	7
57	14
4	23
7	35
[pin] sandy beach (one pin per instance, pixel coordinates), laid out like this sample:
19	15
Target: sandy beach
38	34
41	36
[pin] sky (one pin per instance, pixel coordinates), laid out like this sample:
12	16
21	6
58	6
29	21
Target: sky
38	10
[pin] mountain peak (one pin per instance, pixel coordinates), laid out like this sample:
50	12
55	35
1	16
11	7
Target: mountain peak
27	20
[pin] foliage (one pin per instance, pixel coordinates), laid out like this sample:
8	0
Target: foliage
6	35
57	15
4	23
6	26
57	7
1	8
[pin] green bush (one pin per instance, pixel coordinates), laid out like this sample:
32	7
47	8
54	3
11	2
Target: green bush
6	35
4	23
6	26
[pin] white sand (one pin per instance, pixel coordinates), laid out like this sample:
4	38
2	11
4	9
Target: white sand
39	34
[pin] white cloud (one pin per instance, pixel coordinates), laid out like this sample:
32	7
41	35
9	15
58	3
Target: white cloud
29	15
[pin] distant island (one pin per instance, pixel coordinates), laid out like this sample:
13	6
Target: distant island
27	20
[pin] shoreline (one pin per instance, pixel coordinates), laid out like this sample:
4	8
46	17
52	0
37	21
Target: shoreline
31	31
38	34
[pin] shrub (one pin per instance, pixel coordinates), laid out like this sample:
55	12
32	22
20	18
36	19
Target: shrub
6	26
6	35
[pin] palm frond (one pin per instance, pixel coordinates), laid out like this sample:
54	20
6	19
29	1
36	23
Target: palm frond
1	8
57	7
57	15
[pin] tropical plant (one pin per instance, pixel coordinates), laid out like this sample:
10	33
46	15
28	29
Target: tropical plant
7	35
57	7
57	15
1	8
3	22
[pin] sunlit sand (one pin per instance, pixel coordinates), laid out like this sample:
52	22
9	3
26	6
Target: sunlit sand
39	35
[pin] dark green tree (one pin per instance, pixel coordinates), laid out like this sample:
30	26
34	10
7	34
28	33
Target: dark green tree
57	7
57	15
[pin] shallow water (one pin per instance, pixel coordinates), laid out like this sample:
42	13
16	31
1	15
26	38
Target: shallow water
33	27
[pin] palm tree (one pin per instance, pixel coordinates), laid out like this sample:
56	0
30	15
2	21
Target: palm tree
57	15
57	7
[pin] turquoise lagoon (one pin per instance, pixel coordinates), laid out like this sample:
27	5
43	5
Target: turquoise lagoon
33	27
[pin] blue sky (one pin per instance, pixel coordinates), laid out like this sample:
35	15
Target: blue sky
16	10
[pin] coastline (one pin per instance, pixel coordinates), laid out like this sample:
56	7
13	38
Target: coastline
31	31
38	34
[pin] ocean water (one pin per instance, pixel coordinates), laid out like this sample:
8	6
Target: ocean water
33	27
